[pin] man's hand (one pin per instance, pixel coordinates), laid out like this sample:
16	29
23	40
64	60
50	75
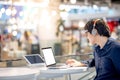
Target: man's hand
74	63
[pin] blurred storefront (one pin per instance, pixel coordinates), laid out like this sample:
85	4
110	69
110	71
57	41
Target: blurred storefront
26	26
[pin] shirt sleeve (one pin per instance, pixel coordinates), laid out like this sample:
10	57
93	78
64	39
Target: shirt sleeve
89	63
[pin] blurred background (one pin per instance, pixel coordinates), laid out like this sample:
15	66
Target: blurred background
26	26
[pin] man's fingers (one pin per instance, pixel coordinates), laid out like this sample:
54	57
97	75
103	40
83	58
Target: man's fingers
69	61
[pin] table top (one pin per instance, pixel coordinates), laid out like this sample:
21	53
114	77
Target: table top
16	71
70	70
22	71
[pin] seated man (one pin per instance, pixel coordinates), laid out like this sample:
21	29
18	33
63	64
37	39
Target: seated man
106	51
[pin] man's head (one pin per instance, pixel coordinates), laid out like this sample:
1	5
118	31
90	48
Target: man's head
96	27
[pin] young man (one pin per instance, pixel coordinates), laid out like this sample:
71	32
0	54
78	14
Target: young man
106	51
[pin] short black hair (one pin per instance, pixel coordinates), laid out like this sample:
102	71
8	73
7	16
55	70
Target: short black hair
100	25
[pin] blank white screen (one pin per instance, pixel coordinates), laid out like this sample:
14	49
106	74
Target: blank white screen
48	56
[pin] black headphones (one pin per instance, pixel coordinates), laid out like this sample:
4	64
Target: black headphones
94	31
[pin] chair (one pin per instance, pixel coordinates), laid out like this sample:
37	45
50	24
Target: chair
35	49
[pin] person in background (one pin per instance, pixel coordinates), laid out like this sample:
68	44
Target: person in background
106	51
26	41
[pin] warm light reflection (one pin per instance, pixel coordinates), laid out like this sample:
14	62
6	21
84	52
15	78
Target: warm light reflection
67	8
62	7
14	11
47	1
44	17
21	0
14	27
8	12
95	7
73	1
61	28
3	10
14	33
81	24
12	20
54	13
64	15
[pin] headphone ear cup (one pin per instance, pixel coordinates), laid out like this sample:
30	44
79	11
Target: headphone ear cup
94	32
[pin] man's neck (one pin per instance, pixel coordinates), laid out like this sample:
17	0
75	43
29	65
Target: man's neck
102	41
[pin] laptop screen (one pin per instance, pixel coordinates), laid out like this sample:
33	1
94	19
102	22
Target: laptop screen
34	59
48	56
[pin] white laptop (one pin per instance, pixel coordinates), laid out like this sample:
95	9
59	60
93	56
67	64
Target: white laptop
34	60
50	59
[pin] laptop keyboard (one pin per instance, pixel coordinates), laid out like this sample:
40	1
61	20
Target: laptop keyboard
58	66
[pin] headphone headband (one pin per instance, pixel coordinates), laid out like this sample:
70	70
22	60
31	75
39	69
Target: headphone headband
94	31
94	24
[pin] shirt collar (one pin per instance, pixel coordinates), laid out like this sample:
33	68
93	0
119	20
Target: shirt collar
105	49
